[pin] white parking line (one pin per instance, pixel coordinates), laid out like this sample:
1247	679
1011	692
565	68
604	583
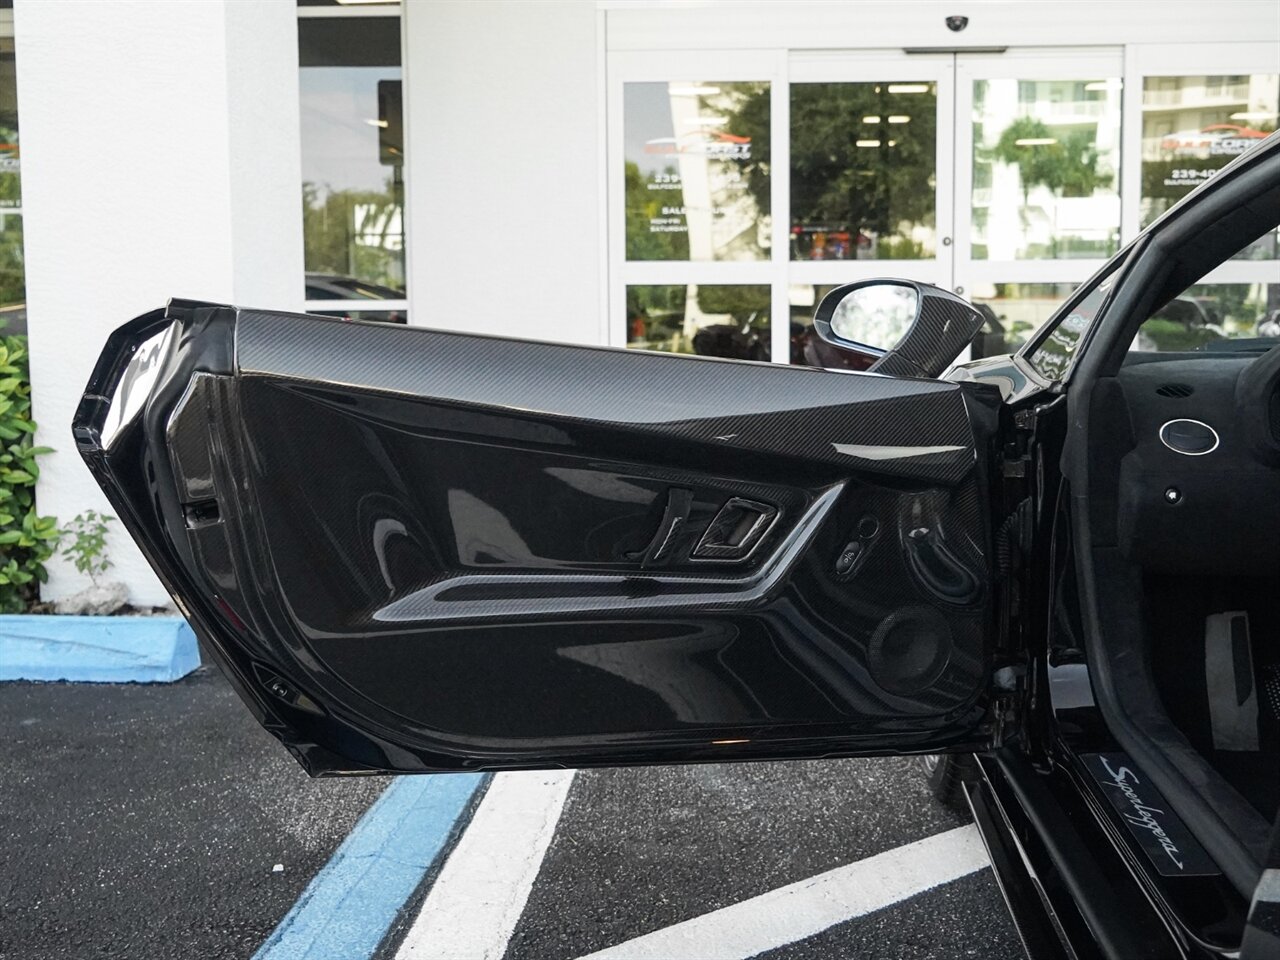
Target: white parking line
480	893
810	906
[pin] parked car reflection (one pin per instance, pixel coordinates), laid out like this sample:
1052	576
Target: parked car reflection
332	286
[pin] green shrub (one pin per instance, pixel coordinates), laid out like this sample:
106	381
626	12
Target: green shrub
88	546
27	539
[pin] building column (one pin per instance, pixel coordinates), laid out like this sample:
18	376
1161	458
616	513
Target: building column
503	146
160	158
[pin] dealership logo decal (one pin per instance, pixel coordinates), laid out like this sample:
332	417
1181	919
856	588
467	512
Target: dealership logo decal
709	143
1142	816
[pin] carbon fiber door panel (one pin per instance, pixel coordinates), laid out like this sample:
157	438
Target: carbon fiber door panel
418	550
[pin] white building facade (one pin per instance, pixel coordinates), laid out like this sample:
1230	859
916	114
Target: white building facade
685	176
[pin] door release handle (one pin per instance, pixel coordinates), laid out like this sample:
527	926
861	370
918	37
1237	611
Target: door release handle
735	530
674	517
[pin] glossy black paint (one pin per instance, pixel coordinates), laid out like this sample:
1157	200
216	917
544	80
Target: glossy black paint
1060	820
421	550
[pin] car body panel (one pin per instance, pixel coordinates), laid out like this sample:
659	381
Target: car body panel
439	551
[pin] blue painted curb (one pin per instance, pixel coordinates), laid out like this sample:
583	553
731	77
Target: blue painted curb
96	649
351	903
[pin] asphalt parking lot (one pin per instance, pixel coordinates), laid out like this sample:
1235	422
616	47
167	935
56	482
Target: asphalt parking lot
160	821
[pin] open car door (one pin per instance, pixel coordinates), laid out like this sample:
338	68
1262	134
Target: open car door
416	551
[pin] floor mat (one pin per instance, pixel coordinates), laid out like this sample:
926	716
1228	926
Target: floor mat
1176	610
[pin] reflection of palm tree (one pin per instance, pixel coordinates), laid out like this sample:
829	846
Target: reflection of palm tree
1066	164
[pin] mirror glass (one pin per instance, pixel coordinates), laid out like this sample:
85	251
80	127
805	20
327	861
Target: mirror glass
878	315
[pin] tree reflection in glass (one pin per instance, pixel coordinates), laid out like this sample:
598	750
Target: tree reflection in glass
696	179
1045	160
863	171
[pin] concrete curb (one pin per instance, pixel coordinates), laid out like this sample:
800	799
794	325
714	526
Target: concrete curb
92	649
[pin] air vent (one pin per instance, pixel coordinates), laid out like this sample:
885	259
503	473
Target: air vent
1189	437
1175	390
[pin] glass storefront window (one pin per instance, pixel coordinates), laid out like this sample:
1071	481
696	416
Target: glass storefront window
1192	126
1209	313
697	170
710	320
863	171
352	152
1046	169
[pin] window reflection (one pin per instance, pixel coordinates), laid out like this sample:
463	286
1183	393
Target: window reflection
710	320
352	150
1192	127
807	348
381	316
1052	358
863	171
1046	167
1012	312
697	171
1206	316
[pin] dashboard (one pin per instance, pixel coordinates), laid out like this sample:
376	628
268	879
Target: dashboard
1199	460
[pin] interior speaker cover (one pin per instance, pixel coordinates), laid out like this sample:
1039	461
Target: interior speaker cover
910	649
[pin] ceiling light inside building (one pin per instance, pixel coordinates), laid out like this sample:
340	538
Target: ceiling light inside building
1036	141
866	143
374	122
1255	115
908	88
900	118
871	119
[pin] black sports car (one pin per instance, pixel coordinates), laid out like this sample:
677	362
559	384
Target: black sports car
1055	574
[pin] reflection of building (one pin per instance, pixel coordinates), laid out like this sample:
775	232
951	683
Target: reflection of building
722	217
1188	116
1016	219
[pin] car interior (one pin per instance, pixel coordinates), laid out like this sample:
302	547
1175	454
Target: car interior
1176	516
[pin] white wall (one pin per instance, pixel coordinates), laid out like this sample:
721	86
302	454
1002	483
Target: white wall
160	158
505	215
922	24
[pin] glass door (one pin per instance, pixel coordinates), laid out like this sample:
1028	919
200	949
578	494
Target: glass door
743	185
1038	183
692	240
867	176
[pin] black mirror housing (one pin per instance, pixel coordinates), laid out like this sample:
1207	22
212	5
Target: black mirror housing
943	325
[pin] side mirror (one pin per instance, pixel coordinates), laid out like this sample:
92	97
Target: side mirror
912	329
